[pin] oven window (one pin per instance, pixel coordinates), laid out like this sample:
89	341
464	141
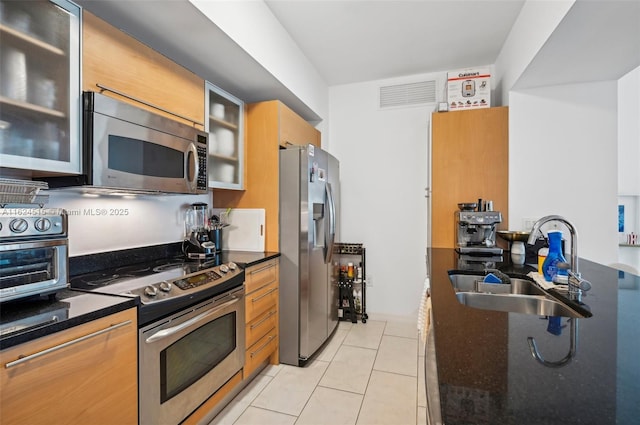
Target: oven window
144	158
194	355
26	266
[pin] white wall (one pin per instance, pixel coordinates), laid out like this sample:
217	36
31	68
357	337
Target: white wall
563	160
629	133
107	223
536	22
629	162
383	167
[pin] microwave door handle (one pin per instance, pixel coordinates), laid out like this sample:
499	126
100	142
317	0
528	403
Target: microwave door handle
200	318
192	164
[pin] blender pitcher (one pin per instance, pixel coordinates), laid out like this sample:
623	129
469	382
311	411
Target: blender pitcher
197	244
196	219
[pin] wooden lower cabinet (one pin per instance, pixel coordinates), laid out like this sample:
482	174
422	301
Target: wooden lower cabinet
84	375
261	309
260	351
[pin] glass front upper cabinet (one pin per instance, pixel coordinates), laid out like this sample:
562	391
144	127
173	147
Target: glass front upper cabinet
40	86
225	125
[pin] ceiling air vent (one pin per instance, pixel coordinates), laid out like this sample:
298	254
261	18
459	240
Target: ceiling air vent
408	94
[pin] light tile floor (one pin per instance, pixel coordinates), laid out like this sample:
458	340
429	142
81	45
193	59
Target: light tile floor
366	374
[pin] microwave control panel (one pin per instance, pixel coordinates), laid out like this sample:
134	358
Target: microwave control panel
203	150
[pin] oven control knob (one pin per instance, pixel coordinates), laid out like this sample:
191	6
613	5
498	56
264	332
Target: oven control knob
224	268
18	225
165	286
150	291
42	224
232	266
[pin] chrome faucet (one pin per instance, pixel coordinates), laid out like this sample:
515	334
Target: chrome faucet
575	282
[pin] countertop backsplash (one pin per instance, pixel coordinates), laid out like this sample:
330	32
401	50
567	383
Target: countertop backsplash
99	223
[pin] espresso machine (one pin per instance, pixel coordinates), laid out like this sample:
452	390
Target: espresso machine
476	232
196	244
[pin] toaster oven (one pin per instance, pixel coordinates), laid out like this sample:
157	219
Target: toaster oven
34	252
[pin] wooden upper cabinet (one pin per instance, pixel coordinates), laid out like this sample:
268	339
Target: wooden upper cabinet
295	130
269	125
118	61
469	160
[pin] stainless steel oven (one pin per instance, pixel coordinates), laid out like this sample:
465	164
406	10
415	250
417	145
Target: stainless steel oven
33	252
186	357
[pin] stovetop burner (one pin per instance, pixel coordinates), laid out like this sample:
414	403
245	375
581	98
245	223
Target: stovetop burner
127	272
135	269
163	284
168	266
93	280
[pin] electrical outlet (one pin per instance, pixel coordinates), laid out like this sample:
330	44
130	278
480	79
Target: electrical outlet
527	223
369	281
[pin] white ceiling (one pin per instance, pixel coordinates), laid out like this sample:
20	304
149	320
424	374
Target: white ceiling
352	41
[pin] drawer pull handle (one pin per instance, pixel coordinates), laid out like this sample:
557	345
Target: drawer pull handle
261	269
264	319
23	359
263	345
165	333
269	292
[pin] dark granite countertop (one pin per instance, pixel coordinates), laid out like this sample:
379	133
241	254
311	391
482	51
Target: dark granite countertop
487	375
30	318
248	258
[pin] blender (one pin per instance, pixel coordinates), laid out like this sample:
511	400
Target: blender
197	244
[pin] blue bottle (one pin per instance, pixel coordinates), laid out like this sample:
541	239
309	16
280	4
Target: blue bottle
555	256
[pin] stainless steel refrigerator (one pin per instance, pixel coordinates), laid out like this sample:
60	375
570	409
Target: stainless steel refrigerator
309	210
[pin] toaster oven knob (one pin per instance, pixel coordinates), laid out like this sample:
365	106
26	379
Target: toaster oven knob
224	268
165	286
18	225
42	224
232	266
150	291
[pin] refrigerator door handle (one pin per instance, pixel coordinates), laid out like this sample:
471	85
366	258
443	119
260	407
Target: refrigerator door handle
331	237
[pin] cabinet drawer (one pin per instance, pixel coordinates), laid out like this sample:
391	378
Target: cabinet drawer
261	300
93	364
261	274
259	327
260	351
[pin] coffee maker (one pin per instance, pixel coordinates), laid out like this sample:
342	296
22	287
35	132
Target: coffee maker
476	232
196	244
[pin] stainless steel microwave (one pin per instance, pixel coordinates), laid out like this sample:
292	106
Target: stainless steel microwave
131	149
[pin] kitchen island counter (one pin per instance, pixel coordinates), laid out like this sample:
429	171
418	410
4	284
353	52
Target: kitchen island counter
486	373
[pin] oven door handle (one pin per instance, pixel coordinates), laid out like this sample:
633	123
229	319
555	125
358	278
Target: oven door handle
172	331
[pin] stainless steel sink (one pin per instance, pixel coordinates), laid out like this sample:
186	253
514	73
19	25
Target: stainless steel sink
525	287
516	303
521	296
467	283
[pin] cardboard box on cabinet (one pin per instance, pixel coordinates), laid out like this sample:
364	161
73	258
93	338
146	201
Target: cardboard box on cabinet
469	89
